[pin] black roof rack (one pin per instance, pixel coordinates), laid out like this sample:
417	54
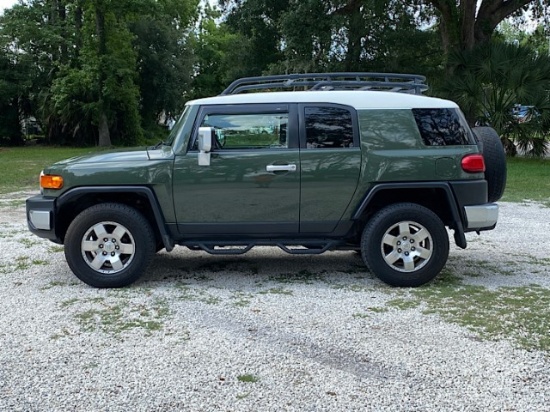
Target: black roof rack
403	83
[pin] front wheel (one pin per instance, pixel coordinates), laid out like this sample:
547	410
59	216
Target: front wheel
405	245
109	245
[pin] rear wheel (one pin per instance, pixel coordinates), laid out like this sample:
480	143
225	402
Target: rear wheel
109	245
405	245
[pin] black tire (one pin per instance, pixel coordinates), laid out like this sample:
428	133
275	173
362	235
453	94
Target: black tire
405	244
495	161
109	245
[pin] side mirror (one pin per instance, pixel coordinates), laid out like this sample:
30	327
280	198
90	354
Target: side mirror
205	145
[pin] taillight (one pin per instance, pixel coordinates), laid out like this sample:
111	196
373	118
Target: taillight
473	163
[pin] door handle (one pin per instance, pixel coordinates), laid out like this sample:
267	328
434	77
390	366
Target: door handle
281	168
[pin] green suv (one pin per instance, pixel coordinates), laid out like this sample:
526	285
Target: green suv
309	163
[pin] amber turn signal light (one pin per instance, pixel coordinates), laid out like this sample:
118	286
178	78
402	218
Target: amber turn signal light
51	182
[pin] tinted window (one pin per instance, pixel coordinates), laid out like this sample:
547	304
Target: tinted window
248	131
328	128
442	127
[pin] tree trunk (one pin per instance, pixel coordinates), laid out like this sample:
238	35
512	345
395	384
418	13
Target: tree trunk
355	35
62	13
78	18
462	29
104	135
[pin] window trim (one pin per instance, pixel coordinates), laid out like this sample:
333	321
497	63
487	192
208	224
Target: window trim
249	109
302	121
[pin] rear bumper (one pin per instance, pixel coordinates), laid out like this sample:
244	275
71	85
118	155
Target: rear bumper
41	217
481	217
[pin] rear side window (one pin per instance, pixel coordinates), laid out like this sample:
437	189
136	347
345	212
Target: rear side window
442	127
328	128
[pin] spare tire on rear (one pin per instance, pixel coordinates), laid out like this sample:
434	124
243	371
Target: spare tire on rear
495	161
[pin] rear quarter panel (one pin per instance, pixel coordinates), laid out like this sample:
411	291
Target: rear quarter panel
393	151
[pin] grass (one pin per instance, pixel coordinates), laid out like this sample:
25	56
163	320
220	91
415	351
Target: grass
276	291
116	318
518	314
528	179
21	166
248	378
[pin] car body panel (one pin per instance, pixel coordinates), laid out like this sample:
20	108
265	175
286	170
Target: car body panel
236	188
329	180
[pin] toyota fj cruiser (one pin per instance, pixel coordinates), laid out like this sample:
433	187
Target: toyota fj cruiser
309	163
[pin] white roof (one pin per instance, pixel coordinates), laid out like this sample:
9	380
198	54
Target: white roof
359	99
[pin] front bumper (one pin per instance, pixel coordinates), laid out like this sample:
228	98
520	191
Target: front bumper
481	217
41	217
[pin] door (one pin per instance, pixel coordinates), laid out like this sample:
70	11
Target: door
252	185
330	165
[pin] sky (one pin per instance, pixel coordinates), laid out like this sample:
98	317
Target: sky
6	4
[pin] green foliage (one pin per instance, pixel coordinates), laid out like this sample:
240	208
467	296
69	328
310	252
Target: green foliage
164	75
489	80
10	128
221	56
321	35
98	71
258	21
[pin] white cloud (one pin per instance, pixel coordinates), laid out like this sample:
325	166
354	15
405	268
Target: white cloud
6	4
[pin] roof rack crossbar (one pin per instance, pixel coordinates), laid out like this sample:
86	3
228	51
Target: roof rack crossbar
371	85
407	83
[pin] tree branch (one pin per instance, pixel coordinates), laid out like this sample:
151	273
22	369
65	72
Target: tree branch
349	8
446	22
491	13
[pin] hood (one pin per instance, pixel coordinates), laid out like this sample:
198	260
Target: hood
108	156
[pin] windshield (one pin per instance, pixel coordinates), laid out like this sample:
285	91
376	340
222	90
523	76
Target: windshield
178	126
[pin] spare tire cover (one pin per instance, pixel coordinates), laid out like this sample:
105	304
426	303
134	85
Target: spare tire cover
495	161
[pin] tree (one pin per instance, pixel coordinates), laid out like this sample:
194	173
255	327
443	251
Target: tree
490	80
335	35
10	126
164	66
162	41
537	40
221	55
464	24
93	64
258	22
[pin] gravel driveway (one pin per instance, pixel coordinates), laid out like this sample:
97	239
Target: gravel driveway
263	331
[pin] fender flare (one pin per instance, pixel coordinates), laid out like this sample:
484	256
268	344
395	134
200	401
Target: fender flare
73	194
460	238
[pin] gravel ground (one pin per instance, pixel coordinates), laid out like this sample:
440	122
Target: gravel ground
259	332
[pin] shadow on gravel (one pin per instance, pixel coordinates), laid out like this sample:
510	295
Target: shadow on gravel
257	265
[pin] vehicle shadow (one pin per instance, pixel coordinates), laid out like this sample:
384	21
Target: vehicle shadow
260	265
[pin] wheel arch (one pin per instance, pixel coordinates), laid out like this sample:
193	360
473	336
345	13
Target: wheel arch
142	198
436	196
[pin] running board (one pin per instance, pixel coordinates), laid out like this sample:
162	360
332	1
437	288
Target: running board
293	247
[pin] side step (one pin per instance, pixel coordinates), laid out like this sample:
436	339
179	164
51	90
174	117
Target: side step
294	247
